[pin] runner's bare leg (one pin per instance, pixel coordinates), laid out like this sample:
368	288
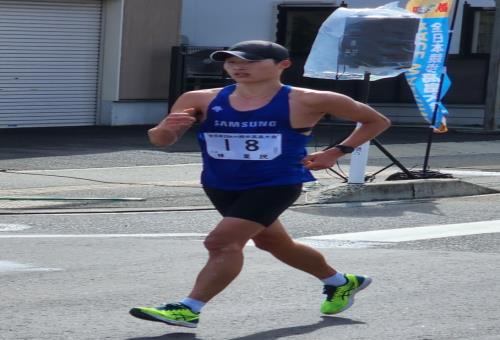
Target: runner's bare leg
225	247
276	240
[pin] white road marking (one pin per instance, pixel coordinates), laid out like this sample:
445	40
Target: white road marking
345	240
9	266
13	227
367	238
472	173
101	235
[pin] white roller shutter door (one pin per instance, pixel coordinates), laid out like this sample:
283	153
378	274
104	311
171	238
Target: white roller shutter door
49	62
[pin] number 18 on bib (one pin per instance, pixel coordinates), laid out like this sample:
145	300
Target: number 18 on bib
248	146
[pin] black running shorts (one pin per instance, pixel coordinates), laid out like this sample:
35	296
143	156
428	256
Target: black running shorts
262	205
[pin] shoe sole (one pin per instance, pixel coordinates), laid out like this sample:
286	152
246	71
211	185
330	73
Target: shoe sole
145	316
365	284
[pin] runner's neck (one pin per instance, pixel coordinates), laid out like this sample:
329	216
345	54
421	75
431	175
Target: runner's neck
257	91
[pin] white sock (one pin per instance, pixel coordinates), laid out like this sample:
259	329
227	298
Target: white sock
194	305
335	280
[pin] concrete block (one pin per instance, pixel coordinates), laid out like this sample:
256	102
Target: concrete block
396	190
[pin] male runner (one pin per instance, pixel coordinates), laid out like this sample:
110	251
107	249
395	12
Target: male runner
253	136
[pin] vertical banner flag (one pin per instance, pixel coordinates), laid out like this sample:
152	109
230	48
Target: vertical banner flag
428	70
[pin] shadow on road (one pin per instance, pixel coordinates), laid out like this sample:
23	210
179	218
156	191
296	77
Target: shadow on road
271	334
187	336
326	321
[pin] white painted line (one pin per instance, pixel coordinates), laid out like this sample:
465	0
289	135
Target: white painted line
13	227
8	266
472	173
345	240
328	244
102	235
414	234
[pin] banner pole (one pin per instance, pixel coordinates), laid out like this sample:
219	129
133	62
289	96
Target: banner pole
440	88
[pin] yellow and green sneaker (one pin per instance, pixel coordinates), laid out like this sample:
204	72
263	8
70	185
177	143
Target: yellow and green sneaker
173	314
338	299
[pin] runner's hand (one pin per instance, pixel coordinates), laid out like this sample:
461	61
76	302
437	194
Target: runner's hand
180	119
170	129
320	160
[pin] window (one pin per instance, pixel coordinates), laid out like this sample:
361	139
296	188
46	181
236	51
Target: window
483	31
298	25
477	30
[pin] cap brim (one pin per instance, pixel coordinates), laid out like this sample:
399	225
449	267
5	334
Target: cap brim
223	55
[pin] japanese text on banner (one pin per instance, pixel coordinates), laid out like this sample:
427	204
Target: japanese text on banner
427	78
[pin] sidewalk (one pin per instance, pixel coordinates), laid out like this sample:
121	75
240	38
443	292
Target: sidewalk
115	169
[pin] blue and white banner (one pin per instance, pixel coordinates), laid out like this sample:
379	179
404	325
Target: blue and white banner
427	78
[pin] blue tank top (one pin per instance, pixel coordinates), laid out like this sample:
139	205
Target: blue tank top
249	149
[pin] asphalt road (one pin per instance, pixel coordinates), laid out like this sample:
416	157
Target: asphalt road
75	275
82	272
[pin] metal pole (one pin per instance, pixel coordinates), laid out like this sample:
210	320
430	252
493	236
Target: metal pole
364	99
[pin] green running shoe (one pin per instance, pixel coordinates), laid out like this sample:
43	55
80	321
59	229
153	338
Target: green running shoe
338	299
175	314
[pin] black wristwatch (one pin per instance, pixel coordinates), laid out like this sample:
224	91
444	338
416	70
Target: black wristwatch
344	148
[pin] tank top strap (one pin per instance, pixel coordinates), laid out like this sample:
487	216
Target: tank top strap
280	105
282	95
224	93
285	90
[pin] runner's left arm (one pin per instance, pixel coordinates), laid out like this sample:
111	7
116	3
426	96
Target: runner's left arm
372	124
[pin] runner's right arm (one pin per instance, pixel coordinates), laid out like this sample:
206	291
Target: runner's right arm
181	117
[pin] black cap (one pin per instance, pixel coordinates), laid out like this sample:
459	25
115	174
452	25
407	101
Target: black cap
252	50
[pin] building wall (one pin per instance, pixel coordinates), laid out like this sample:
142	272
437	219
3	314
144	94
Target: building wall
224	22
111	49
150	29
139	35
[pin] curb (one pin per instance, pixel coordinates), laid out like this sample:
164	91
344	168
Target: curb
397	190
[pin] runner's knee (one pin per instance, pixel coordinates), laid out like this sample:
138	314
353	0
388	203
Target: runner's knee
219	245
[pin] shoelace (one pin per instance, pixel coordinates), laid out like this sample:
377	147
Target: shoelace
173	306
332	291
329	291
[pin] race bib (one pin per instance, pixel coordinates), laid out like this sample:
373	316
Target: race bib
243	146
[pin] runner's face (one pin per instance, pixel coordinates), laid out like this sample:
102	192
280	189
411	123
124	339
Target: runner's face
246	71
